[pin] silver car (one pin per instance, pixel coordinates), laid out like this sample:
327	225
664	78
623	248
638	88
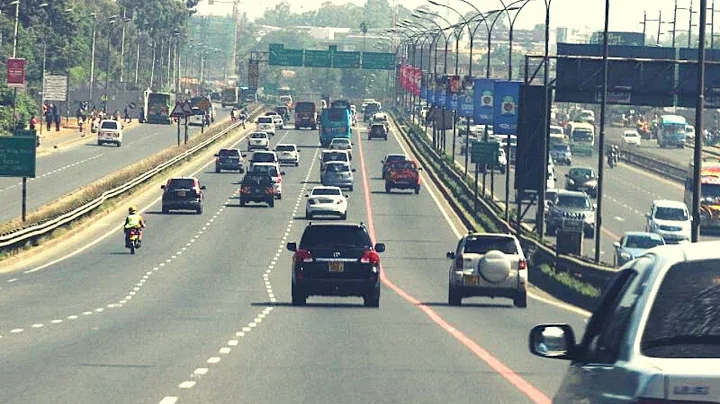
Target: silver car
338	174
486	264
654	337
633	244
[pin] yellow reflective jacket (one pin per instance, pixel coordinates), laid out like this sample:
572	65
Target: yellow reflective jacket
134	220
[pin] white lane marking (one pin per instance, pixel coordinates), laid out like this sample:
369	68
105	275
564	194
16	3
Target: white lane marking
430	188
168	400
201	371
224	350
239	334
188	384
38	325
56	321
73	317
213	359
619	219
233	342
16	330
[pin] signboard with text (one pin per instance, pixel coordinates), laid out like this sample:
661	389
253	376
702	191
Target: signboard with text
484	101
55	88
17	156
505	118
16	73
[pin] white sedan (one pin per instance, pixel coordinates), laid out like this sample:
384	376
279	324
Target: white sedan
631	137
326	201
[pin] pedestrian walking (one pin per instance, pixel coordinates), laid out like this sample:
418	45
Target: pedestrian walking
56	116
33	123
127	114
49	117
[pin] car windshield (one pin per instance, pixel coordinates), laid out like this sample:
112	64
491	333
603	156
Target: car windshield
581	172
282	148
643	241
256	179
631	134
326	191
685	318
671	214
404	165
265	119
181	183
229	153
109	125
337	168
573	201
556	130
560	148
258	136
710	191
482	245
334	236
334	157
269	170
394	158
263	157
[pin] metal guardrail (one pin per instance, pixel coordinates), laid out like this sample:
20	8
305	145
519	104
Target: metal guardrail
28	233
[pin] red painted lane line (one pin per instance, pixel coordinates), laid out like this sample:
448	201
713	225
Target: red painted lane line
503	370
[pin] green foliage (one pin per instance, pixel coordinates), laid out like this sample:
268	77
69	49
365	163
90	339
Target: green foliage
375	14
570	282
26	107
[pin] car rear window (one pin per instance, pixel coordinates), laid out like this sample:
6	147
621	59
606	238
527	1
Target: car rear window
263	158
404	165
671	214
265	119
229	152
326	191
340	141
685	318
285	148
181	183
391	159
259	136
338	168
481	245
334	157
643	241
269	170
334	236
109	125
573	201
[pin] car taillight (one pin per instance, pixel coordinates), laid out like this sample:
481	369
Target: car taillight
217	159
459	262
269	190
303	256
278	179
370	257
244	190
522	265
339	202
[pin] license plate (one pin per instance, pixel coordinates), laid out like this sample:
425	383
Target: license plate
181	193
336	266
471	280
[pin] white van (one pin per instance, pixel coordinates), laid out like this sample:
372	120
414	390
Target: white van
110	131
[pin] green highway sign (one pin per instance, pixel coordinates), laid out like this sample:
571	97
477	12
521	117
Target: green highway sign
279	56
346	60
484	152
378	60
318	58
17	156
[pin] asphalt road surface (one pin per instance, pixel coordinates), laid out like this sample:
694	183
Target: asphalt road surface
202	313
63	172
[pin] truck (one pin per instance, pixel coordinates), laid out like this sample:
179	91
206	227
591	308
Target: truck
230	97
305	115
709	192
672	131
248	95
335	123
157	107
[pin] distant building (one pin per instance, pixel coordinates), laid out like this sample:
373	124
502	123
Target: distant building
619	38
572	35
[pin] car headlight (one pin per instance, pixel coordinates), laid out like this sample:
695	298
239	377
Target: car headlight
654	226
591	183
589	218
625	256
570	182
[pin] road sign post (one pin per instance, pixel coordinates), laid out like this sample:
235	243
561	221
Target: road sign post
187	109
178	113
17	159
318	58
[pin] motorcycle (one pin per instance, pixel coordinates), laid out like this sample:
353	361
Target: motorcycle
133	242
612	160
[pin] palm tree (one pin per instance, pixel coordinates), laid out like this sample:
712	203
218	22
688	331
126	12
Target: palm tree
364	30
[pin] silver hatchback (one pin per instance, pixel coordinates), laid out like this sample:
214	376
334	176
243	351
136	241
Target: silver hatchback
338	174
654	337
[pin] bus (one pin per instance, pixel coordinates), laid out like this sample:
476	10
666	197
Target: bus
709	192
335	122
671	131
582	138
157	108
230	97
341	104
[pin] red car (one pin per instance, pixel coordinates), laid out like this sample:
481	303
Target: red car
403	175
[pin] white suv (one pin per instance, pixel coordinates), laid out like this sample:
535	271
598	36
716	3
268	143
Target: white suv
669	219
266	124
486	264
288	154
258	140
110	131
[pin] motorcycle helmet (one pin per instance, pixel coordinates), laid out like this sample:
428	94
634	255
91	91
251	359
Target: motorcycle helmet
132	209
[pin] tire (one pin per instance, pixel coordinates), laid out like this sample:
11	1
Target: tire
100	143
118	144
351	188
241	170
308	215
298	296
387	189
271	203
199	210
454	298
242	203
385	138
279	196
550	231
297	164
132	248
373	299
343	216
589	234
217	170
502	170
520	300
417	190
297	127
314	127
165	210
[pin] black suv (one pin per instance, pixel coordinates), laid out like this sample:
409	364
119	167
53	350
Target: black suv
377	130
257	187
229	159
182	193
336	260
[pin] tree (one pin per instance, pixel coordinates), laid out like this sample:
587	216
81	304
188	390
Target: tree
364	30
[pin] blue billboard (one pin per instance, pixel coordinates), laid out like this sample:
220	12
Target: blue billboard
423	93
440	97
452	101
466	108
505	118
431	96
483	100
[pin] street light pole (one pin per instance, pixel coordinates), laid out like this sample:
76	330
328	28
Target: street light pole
697	155
111	21
601	142
92	57
540	215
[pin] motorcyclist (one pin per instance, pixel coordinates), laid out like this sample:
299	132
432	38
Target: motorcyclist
613	155
242	118
133	221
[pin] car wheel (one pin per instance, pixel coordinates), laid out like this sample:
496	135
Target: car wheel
350	188
343	216
502	170
297	164
387	189
241	170
279	196
298	296
454	298
217	170
550	231
373	299
590	233
100	143
165	210
199	210
417	190
118	144
520	300
308	215
242	203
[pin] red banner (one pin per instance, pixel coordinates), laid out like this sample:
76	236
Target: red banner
16	73
417	80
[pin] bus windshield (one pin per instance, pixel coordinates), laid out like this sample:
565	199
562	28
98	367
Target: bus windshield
674	128
336	114
710	191
582	135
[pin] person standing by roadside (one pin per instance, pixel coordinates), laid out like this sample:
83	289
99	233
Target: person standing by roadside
33	123
56	115
49	117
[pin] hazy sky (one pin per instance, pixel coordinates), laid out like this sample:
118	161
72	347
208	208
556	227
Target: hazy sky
625	15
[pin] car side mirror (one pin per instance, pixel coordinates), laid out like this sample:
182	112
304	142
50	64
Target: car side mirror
307	195
450	255
354	170
420	169
215	155
291	246
380	247
347	196
555	341
162	186
282	172
594	206
244	155
567	175
616	244
203	187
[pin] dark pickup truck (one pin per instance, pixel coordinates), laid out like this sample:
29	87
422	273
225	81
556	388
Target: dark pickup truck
259	188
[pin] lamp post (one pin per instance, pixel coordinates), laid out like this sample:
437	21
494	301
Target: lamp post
545	144
92	57
111	21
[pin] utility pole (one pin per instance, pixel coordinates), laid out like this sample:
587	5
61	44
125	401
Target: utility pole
674	23
699	107
647	20
690	24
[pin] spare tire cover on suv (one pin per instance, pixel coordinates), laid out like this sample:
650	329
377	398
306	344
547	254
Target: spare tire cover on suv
494	266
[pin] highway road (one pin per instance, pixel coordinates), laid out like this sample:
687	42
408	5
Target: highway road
681	157
62	172
202	313
629	191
